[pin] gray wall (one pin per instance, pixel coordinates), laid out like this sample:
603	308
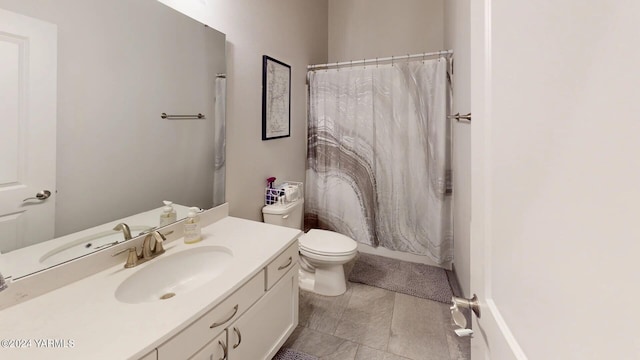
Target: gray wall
120	64
292	31
366	29
457	37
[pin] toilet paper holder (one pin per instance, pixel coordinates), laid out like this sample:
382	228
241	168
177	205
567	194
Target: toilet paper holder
459	319
467	303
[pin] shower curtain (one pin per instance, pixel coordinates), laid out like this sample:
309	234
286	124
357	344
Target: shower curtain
378	162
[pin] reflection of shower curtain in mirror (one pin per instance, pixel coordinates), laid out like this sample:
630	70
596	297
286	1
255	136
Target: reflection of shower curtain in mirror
379	156
219	141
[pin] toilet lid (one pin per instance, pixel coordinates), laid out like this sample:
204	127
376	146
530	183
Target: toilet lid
327	242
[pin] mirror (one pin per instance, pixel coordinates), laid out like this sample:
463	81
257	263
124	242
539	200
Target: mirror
120	65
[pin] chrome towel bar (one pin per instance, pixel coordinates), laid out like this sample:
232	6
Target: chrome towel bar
459	117
182	117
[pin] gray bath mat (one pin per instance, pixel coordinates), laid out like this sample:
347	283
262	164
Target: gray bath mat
290	354
428	282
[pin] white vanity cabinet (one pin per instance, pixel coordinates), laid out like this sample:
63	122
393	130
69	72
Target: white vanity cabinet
250	324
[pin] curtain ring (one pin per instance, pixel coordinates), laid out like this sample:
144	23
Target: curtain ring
337	66
376	62
424	54
364	63
391	60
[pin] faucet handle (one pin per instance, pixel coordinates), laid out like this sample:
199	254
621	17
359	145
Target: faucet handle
160	239
149	252
146	246
132	259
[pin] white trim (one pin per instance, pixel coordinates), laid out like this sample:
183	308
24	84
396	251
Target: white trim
495	337
505	331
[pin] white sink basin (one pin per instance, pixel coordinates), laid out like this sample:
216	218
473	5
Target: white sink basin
87	244
174	275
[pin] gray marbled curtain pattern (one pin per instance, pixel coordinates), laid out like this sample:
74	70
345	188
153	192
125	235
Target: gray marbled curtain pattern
379	156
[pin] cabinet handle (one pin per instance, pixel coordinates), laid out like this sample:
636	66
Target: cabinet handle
224	350
287	264
235	310
235	329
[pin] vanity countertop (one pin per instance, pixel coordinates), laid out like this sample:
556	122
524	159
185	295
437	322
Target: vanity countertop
84	320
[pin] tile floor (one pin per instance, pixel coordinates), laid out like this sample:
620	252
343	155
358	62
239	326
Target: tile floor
368	323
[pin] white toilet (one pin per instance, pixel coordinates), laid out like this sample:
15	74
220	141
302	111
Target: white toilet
322	252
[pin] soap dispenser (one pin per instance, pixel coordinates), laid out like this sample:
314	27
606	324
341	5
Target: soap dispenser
192	233
168	215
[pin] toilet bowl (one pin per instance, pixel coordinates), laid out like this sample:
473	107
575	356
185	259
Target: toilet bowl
322	253
325	253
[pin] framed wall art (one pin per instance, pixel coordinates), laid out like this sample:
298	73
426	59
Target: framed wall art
276	99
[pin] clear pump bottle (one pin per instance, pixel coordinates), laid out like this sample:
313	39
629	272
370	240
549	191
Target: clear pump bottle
168	215
192	232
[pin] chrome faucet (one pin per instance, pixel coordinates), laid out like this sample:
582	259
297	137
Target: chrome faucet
148	251
125	230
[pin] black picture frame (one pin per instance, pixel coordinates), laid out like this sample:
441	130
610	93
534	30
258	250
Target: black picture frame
276	99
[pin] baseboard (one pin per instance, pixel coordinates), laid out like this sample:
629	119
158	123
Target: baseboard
399	255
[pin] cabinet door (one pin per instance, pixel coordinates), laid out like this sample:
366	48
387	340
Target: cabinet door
215	350
259	333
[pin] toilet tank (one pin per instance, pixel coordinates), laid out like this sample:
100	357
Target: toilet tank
284	215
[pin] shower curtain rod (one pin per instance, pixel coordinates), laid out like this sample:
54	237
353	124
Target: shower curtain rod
378	60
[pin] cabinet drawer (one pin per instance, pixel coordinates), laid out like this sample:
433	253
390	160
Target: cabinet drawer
211	324
278	267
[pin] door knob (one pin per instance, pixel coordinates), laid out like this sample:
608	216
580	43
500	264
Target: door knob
41	195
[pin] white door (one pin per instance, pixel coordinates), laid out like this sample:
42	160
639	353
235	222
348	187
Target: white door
28	55
555	179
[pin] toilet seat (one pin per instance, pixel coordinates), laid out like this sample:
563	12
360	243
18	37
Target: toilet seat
325	253
327	243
